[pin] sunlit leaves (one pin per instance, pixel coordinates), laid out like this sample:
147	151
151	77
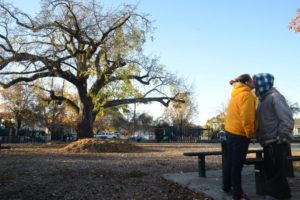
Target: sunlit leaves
295	23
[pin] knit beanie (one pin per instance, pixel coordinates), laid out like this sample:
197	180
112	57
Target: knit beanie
264	82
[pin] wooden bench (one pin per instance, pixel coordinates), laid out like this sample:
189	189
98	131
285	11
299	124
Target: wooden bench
259	171
202	155
257	162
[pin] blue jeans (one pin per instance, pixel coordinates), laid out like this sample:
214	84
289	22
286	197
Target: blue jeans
236	152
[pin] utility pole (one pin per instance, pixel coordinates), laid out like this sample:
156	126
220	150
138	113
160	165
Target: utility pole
134	114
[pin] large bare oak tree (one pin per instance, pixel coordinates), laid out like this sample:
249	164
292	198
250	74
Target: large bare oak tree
98	51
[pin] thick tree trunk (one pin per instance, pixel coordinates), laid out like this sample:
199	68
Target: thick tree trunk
85	126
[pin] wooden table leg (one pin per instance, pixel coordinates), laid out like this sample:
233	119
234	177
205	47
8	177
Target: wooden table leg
201	166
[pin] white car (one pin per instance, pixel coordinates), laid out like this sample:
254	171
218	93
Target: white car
106	136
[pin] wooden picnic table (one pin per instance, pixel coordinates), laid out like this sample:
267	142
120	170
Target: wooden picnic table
202	155
257	162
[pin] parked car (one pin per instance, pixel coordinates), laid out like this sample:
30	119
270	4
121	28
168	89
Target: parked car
138	138
106	136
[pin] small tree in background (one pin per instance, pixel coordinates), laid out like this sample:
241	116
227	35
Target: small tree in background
20	101
144	123
294	107
216	123
181	113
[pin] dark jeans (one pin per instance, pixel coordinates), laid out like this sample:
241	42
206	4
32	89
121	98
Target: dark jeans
236	151
275	164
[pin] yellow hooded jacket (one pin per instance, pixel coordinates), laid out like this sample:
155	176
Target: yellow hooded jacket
240	118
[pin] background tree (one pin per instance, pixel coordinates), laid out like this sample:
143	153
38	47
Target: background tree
217	123
122	123
144	124
111	120
99	52
294	107
54	114
19	100
181	113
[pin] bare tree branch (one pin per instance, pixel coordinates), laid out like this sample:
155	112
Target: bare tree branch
163	100
25	79
25	72
54	97
116	25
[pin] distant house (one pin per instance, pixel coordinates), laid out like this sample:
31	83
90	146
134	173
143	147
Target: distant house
216	123
297	127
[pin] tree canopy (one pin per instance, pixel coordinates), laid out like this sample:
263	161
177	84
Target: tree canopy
98	51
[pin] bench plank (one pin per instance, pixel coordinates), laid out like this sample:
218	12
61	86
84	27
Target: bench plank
293	158
211	153
201	158
208	153
250	161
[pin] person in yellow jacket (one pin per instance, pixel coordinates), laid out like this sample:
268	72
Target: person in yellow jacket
239	127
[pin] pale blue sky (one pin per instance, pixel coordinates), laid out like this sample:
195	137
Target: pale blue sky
210	42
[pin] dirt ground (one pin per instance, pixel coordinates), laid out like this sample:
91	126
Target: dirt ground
48	171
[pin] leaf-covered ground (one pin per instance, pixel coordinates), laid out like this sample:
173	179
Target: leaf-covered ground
52	171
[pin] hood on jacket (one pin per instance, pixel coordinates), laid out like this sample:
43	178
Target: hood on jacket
263	83
238	88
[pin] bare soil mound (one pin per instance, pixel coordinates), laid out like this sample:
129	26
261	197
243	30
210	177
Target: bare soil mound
92	145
